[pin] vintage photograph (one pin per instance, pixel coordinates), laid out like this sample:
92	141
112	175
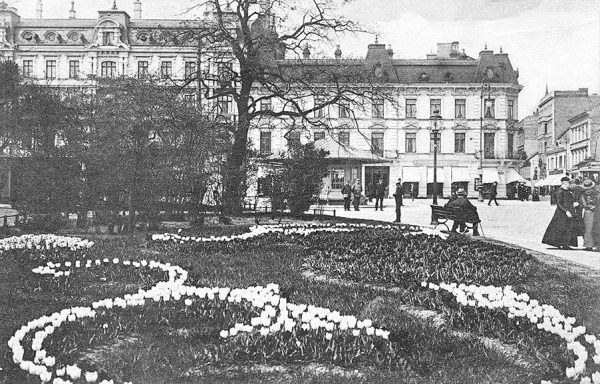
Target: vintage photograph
300	191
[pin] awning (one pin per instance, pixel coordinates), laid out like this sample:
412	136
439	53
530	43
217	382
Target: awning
460	174
554	179
441	177
411	175
512	176
490	175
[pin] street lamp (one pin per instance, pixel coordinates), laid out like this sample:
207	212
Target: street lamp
485	87
435	117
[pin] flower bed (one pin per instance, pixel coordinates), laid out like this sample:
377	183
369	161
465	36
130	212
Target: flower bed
258	324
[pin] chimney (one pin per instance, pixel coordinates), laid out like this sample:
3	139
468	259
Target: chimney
72	11
390	51
338	52
137	9
38	10
306	52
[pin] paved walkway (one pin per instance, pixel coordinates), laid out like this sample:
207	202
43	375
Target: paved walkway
513	221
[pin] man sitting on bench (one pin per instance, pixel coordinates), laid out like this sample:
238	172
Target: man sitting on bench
464	210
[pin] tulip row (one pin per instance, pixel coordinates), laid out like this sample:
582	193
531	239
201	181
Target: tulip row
285	229
44	242
543	316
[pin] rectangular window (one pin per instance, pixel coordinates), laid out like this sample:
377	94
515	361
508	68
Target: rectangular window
545	128
411	142
166	69
27	68
320	135
432	142
190	70
459	142
108	69
322	112
108	38
225	74
73	69
50	69
511	144
510	112
344	138
377	143
344	109
411	108
265	105
489	106
488	145
435	104
142	69
293	138
337	178
378	111
460	108
223	105
265	142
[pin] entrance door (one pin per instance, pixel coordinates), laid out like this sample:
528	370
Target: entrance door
373	174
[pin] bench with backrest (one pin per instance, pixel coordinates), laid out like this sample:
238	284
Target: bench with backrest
440	216
320	210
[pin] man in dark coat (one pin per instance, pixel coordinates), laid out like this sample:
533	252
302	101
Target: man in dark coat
464	210
559	232
578	225
370	192
493	193
379	194
356	193
347	194
398	197
456	224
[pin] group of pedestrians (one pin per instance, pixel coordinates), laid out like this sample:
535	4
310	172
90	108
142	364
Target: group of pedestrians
575	216
353	193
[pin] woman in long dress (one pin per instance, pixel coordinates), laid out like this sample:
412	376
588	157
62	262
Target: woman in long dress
559	232
590	200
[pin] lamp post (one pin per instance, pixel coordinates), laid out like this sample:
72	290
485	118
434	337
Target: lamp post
435	117
485	86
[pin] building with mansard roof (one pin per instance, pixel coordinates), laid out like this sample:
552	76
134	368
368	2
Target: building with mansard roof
387	138
391	138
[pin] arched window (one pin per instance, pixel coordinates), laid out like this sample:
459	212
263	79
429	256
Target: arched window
108	69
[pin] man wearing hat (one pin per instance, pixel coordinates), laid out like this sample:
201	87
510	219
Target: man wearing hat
398	196
560	230
465	211
590	201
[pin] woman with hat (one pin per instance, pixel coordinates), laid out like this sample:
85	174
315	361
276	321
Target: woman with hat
590	201
559	232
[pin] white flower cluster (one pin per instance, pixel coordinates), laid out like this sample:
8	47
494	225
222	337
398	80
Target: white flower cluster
44	242
43	364
545	317
285	229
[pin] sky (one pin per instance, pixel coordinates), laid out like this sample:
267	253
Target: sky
552	42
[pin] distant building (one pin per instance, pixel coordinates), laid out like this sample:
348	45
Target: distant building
583	138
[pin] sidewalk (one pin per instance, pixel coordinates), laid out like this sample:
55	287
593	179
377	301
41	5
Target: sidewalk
513	221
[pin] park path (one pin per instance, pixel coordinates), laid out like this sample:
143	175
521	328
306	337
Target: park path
521	223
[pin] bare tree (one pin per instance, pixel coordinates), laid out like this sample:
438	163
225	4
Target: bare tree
256	55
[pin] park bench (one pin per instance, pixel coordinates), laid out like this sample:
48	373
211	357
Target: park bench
440	216
320	210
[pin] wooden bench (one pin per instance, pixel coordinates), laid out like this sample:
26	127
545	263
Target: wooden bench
440	216
320	210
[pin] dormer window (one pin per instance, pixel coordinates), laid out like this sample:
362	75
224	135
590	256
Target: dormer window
108	38
29	36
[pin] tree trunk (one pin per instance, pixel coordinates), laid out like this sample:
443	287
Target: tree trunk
235	172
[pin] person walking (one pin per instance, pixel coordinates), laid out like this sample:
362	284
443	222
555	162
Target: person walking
398	197
379	194
493	193
370	191
590	201
559	231
357	193
347	194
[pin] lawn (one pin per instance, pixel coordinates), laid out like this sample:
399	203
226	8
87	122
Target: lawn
428	318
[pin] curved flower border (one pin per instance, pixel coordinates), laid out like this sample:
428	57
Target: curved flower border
277	314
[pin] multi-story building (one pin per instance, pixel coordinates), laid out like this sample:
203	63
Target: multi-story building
583	136
390	138
393	139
